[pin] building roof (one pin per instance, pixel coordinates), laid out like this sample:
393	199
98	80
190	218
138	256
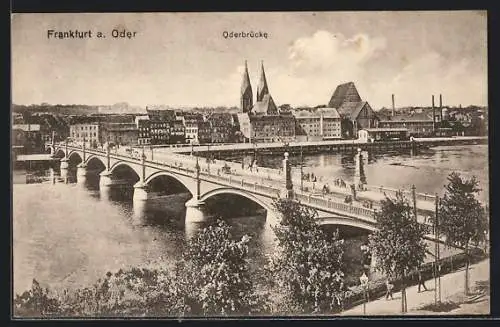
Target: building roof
27	127
271	118
266	106
344	93
316	113
304	114
262	88
328	112
245	84
165	115
220	119
351	110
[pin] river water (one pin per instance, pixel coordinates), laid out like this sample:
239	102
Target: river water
71	234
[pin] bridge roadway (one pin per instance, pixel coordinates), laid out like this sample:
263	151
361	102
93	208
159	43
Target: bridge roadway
209	180
370	193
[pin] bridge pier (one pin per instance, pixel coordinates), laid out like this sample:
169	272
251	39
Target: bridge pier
195	212
81	173
64	169
287	192
359	173
105	178
81	170
64	163
140	192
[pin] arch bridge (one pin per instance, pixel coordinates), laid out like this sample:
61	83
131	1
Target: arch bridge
204	181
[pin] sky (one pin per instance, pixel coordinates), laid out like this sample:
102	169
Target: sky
183	59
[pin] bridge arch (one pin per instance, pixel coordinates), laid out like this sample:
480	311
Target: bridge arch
59	153
227	190
74	155
91	159
122	164
342	221
184	181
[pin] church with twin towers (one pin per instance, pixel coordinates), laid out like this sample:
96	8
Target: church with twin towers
262	121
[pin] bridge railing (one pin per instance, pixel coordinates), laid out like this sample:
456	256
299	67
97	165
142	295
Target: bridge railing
336	205
185	164
392	192
242	183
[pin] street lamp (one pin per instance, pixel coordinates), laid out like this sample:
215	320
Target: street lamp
255	153
364	283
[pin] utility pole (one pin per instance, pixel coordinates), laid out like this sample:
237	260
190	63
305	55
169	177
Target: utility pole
197	168
436	249
438	201
143	164
414	196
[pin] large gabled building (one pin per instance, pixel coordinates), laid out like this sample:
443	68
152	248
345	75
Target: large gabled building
355	113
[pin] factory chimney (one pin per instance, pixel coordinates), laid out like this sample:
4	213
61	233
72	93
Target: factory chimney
433	115
441	106
393	106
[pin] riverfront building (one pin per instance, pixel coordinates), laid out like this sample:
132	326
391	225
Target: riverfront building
120	133
419	124
221	127
318	124
143	125
262	121
355	113
191	122
27	137
90	132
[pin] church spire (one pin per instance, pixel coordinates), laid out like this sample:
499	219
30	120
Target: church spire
246	96
262	88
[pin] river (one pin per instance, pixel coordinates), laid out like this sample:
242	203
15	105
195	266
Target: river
69	235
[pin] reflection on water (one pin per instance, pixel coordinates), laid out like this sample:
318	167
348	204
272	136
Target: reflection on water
70	234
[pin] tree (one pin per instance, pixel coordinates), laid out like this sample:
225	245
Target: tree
307	268
35	302
462	218
398	241
220	275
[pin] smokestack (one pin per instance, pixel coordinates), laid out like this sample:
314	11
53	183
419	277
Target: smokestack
433	115
393	106
441	107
